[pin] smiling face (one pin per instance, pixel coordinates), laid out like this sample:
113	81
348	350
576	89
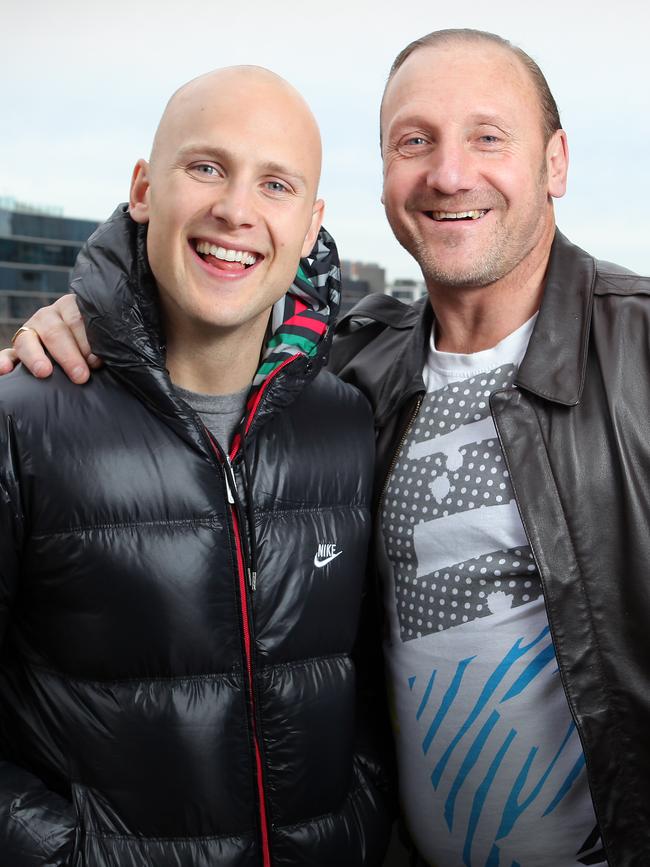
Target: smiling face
230	199
468	176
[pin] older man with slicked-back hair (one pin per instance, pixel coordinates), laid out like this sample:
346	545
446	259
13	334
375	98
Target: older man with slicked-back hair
183	540
513	534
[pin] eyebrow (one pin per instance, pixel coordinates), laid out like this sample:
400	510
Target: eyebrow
219	154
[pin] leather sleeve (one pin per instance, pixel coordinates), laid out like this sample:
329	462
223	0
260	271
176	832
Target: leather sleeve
37	826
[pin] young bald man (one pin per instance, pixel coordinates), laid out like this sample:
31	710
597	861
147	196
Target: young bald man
183	540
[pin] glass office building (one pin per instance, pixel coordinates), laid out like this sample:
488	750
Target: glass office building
37	252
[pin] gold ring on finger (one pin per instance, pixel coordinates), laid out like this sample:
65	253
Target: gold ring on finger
20	331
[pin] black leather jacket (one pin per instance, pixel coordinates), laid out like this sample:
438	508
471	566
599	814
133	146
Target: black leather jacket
155	709
575	431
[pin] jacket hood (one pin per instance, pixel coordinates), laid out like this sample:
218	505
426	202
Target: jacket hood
118	298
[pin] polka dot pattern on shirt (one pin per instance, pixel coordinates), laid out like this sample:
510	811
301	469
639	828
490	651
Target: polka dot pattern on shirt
439	473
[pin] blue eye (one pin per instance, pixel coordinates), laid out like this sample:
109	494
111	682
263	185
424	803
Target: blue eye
204	171
276	186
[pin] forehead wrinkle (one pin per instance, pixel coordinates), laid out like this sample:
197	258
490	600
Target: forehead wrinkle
488	56
479	118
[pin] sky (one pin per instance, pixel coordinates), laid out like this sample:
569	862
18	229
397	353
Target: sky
82	86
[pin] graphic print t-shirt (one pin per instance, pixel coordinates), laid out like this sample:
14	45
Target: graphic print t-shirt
491	767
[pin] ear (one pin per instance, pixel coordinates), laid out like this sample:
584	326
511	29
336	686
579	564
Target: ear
316	222
139	192
557	163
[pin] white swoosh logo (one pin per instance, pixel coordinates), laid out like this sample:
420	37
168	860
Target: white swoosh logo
320	563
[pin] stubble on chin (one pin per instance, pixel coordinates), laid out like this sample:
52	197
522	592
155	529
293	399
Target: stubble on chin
485	270
499	254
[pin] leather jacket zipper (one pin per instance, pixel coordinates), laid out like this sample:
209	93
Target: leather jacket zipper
402	440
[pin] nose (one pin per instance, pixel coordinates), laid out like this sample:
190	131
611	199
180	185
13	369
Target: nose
234	204
451	169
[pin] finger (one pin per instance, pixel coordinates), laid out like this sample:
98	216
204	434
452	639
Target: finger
28	350
94	361
8	361
57	339
68	309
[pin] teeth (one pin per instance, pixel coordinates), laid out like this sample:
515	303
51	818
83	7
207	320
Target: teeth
458	215
206	248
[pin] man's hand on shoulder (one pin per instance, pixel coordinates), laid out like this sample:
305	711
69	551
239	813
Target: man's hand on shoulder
58	328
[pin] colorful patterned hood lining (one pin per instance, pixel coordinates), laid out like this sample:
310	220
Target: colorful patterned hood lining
301	317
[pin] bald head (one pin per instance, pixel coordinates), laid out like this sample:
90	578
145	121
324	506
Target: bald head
258	95
229	196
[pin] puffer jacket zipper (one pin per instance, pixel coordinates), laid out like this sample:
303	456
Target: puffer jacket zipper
241	569
246	584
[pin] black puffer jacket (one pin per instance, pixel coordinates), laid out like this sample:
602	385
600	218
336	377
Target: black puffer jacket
154	708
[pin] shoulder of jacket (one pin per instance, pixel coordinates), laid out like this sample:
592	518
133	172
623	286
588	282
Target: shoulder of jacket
35	401
377	321
20	392
613	279
383	309
332	393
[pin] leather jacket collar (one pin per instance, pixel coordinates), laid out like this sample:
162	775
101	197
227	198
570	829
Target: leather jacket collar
555	361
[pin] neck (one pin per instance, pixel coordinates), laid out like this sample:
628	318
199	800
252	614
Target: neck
473	318
210	363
